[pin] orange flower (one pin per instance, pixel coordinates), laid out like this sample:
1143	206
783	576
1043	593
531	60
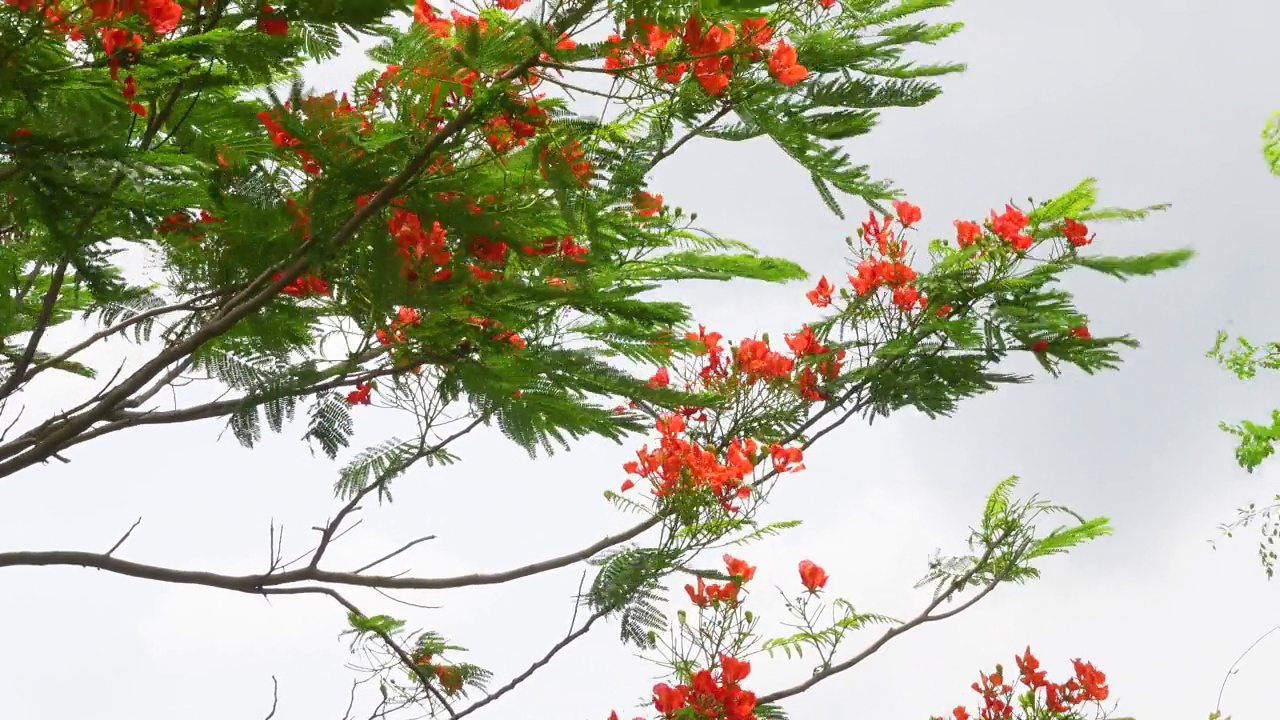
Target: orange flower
739	569
813	577
1009	225
1092	680
820	296
1029	667
1075	233
646	204
908	214
967	232
660	379
783	66
360	396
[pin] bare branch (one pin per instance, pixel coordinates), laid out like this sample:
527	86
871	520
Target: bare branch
540	663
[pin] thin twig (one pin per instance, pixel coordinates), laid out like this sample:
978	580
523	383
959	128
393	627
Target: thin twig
125	536
394	553
275	697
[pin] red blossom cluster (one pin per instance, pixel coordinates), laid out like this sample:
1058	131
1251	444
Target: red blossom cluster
1087	685
326	117
680	465
516	125
1010	226
303	286
405	317
803	344
77	21
420	248
886	266
504	335
565	247
715	696
569	157
713	51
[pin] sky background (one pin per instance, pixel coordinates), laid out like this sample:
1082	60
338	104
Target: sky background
1161	100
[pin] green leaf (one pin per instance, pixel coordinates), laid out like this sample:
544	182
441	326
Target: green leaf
1132	266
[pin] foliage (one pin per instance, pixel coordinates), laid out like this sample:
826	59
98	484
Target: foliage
464	239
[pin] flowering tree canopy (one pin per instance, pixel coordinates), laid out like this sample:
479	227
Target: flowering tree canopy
460	236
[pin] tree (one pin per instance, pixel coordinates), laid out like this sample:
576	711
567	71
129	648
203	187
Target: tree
1256	440
481	254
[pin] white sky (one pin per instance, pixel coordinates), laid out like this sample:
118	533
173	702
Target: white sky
1162	100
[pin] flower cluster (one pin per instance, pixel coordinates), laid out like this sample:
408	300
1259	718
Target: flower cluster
121	47
712	695
303	286
719	695
998	702
886	266
711	53
680	465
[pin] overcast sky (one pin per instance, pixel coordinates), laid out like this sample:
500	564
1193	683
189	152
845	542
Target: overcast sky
1162	100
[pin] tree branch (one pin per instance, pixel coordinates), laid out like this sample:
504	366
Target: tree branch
925	616
537	665
37	332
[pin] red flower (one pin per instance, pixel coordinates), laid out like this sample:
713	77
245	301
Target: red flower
1081	331
1039	346
1092	680
271	23
739	569
786	459
814	578
667	699
646	204
820	296
1075	233
967	232
1009	225
1029	667
164	15
660	379
908	214
360	396
783	66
